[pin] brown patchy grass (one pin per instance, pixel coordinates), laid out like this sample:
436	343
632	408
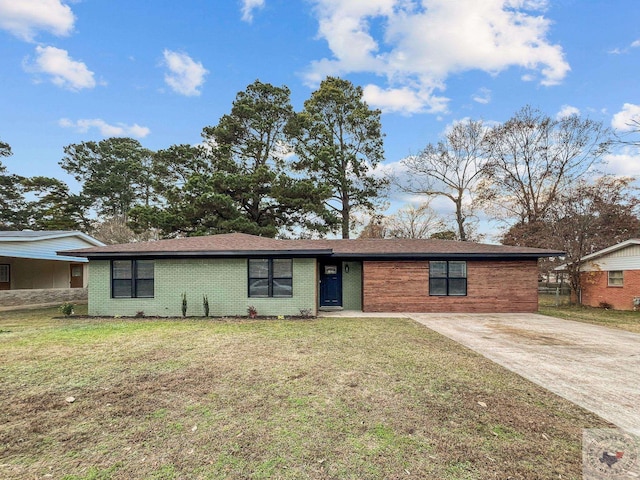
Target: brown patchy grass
624	320
325	398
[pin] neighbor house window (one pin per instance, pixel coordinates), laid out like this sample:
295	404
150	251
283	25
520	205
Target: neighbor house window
270	277
447	278
616	278
132	278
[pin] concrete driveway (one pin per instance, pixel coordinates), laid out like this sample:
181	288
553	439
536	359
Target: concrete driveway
595	367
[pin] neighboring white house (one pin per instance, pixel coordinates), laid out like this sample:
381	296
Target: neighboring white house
28	260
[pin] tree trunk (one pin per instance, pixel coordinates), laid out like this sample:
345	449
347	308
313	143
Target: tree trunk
460	220
345	224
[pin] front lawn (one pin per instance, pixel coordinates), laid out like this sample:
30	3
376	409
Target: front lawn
324	398
623	319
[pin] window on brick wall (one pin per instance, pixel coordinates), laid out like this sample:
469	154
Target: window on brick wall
132	278
270	277
448	278
616	278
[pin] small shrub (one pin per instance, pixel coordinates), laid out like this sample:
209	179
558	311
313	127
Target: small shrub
252	311
140	314
205	305
605	305
67	309
184	304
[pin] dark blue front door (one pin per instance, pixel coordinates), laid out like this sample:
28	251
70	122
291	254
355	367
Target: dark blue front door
331	284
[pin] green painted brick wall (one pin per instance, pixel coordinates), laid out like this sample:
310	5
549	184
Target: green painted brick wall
352	286
224	281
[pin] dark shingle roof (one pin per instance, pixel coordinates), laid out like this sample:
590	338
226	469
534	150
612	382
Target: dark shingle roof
240	244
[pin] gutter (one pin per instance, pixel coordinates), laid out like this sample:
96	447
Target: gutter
311	253
205	254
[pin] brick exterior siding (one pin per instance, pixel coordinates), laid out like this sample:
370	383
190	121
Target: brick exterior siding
224	281
596	289
492	286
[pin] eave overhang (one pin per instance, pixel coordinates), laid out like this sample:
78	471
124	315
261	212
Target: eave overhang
316	253
205	254
445	256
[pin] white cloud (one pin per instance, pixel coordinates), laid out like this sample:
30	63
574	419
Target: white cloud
403	100
185	75
567	111
627	119
106	130
64	71
248	6
421	45
624	162
24	18
625	50
483	96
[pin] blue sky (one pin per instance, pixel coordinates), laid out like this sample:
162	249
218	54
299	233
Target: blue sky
160	71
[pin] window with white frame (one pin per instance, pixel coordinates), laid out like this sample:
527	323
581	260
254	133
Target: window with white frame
616	278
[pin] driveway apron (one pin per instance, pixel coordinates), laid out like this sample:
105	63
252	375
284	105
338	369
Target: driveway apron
595	367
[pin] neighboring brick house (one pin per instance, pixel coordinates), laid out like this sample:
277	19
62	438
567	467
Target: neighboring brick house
285	277
612	276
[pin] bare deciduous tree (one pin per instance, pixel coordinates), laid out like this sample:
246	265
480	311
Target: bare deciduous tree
451	169
532	158
628	136
114	230
408	222
415	222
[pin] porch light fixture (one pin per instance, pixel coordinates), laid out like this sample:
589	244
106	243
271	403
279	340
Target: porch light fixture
346	268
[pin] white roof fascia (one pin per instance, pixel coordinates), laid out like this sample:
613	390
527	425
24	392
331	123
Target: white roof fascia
63	258
84	236
611	249
603	252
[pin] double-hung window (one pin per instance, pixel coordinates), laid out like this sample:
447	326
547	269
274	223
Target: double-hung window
448	278
270	277
132	278
616	278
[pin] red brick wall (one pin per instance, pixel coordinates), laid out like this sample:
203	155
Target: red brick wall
595	289
492	286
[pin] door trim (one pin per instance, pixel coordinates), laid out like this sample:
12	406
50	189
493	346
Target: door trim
73	266
323	277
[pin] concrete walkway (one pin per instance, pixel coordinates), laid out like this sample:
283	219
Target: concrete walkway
595	367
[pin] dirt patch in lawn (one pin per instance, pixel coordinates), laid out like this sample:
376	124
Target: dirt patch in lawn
328	398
